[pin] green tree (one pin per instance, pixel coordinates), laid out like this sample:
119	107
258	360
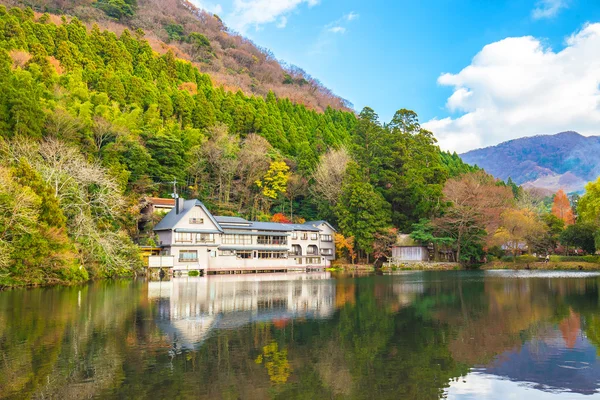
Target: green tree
361	211
580	235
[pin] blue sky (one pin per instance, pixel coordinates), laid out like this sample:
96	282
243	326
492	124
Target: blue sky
392	54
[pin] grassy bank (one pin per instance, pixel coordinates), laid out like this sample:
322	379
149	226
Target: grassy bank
552	265
422	266
351	268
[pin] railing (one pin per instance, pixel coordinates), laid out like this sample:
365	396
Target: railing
161	261
194	260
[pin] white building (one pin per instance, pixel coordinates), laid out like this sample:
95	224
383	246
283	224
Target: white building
193	239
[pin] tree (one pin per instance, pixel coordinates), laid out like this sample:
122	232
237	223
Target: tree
275	180
344	247
476	202
296	186
581	235
589	204
425	233
561	208
383	242
518	227
361	211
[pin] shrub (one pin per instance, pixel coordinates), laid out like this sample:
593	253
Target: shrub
193	273
527	258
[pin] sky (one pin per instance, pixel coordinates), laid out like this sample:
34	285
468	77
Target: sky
477	72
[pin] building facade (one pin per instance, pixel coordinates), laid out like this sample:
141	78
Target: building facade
195	240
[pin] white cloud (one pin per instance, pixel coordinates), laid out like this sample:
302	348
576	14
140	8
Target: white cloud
337	29
328	37
518	87
253	13
351	16
282	22
548	8
210	7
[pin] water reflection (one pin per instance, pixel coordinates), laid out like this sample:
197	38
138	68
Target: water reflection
191	308
460	335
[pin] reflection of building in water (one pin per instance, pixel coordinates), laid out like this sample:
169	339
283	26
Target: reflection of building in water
190	308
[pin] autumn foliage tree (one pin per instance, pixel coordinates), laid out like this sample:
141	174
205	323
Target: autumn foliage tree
561	207
476	202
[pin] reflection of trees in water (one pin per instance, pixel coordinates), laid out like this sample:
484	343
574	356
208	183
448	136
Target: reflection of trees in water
390	337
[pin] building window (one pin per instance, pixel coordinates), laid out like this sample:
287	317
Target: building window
327	252
294	235
196	220
313	260
237	239
205	238
304	236
299	261
272	254
188	256
244	254
183	237
314	236
227	252
296	250
326	238
312	250
275	240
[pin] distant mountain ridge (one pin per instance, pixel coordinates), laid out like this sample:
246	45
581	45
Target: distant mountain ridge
566	160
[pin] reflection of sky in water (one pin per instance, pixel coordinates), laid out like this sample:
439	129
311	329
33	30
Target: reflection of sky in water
540	369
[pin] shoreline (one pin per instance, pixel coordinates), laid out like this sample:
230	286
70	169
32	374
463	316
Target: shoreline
542	266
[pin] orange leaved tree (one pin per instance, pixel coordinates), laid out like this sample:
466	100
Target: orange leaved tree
561	208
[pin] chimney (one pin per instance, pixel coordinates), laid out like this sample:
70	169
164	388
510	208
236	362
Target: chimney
179	205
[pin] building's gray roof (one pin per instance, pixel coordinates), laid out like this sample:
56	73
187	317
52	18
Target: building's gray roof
317	223
305	227
226	222
231	220
172	218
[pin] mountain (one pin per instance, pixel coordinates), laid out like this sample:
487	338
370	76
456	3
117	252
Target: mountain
565	161
232	61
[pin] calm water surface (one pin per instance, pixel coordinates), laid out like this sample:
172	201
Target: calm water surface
455	335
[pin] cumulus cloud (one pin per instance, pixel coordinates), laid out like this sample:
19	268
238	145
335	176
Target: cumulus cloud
548	8
253	13
519	87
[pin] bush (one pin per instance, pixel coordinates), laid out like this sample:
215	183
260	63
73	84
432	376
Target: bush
193	273
588	259
527	258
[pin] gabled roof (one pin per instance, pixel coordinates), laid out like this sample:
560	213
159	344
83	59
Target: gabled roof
320	222
172	218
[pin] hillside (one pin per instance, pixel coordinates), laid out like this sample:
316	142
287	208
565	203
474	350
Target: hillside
566	161
231	60
94	121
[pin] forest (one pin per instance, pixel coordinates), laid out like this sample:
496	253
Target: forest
92	123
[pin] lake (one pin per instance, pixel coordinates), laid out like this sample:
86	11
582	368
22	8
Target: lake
414	335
